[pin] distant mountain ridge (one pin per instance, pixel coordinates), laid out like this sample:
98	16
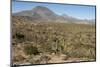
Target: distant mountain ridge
44	14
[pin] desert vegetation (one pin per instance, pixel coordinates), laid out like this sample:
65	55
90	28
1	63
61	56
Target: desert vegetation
51	42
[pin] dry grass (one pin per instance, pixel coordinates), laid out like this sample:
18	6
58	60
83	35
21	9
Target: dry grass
39	41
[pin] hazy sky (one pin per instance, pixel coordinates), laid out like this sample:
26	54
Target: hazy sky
81	12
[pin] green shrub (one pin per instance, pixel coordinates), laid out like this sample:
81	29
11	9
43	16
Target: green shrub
29	49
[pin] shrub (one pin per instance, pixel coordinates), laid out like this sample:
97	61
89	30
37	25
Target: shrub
20	37
18	58
29	49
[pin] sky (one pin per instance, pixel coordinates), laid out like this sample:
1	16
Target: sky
77	11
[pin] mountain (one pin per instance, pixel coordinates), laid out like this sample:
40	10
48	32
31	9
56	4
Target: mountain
44	14
39	13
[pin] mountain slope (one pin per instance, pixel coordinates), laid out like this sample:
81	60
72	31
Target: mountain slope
44	14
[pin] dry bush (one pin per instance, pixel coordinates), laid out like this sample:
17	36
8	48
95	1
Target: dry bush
18	58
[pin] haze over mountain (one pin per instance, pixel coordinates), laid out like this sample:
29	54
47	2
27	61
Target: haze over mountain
44	14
